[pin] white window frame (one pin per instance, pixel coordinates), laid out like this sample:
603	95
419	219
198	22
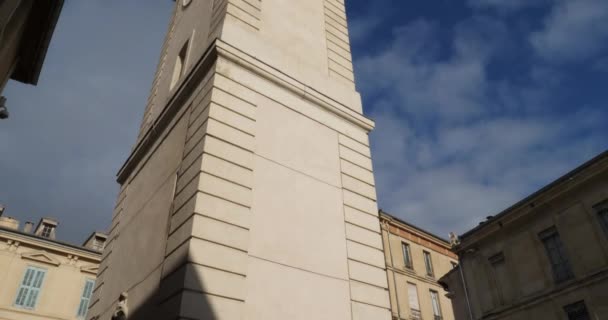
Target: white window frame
85	298
436	304
30	288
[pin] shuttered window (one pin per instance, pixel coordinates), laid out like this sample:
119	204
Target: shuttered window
412	292
556	253
87	292
29	290
436	305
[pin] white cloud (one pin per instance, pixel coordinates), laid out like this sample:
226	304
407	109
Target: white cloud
447	153
574	31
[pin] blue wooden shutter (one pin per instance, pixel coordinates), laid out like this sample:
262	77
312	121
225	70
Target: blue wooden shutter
28	293
86	298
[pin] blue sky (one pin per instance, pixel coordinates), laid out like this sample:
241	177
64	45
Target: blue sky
477	104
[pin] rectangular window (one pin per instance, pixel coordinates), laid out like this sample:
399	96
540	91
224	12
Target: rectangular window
577	311
436	305
98	245
407	255
87	292
428	262
46	231
602	215
28	292
412	292
501	276
560	265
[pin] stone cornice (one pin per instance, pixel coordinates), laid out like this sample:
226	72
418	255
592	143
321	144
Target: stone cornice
283	80
37	243
200	70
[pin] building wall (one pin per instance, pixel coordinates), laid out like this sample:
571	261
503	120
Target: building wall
523	287
11	31
67	270
394	235
255	198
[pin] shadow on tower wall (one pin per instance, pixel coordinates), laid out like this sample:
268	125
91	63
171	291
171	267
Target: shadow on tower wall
180	295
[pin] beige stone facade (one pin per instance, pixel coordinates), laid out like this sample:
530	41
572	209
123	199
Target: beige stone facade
545	257
26	27
250	192
415	259
42	278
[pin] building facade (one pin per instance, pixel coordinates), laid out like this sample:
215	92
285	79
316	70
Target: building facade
415	260
245	193
42	278
26	28
545	257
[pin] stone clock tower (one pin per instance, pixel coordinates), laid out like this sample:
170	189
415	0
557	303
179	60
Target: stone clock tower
249	193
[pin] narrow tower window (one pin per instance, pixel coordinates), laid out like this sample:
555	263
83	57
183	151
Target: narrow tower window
180	65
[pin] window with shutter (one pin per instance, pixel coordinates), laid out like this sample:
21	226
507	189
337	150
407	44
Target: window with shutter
556	253
29	290
87	292
436	305
412	292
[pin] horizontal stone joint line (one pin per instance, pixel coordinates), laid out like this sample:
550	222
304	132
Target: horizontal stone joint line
334	5
360	227
370	214
349	58
182	290
298	171
355	178
366	263
215	86
369	284
184	264
337	31
231	3
225	179
228	13
231	126
194	213
369	304
348	69
232	110
354	164
179	245
363	244
342	76
357	193
300	269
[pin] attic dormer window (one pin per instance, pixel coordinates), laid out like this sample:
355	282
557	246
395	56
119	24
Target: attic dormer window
47	230
98	244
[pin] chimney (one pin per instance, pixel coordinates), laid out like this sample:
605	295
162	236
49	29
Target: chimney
9	223
28	227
